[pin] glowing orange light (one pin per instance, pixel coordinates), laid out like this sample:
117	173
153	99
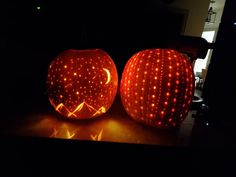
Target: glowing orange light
97	137
159	100
63	132
82	84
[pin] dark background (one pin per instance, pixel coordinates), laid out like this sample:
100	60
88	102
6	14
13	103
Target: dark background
220	85
30	39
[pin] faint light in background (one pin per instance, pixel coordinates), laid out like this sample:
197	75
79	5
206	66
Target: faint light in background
202	64
207	124
211	15
38	7
235	23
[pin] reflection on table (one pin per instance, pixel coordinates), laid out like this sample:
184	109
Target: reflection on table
114	126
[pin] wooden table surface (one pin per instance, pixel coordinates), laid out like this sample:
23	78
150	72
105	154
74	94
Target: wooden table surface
114	126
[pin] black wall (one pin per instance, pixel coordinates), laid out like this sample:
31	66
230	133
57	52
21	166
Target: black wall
219	90
32	38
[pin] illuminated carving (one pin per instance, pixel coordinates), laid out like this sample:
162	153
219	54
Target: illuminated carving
157	87
82	84
108	75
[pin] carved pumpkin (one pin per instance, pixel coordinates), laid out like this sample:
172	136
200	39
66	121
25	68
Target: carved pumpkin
157	87
82	84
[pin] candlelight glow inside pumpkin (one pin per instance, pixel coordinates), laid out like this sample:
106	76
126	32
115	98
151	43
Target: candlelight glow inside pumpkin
82	84
157	87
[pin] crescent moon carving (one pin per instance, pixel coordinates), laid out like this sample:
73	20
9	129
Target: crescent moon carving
108	75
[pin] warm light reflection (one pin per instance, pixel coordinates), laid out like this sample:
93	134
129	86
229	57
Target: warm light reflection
63	132
97	137
66	132
112	127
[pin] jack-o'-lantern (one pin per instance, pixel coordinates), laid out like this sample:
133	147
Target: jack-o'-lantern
82	84
157	87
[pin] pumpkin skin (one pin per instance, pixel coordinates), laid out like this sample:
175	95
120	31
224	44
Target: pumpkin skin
157	87
82	84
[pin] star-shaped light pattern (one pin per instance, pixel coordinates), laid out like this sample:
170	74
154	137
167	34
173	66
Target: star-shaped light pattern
82	84
157	87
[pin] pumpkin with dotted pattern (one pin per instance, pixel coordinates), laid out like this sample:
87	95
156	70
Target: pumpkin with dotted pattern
82	84
157	87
